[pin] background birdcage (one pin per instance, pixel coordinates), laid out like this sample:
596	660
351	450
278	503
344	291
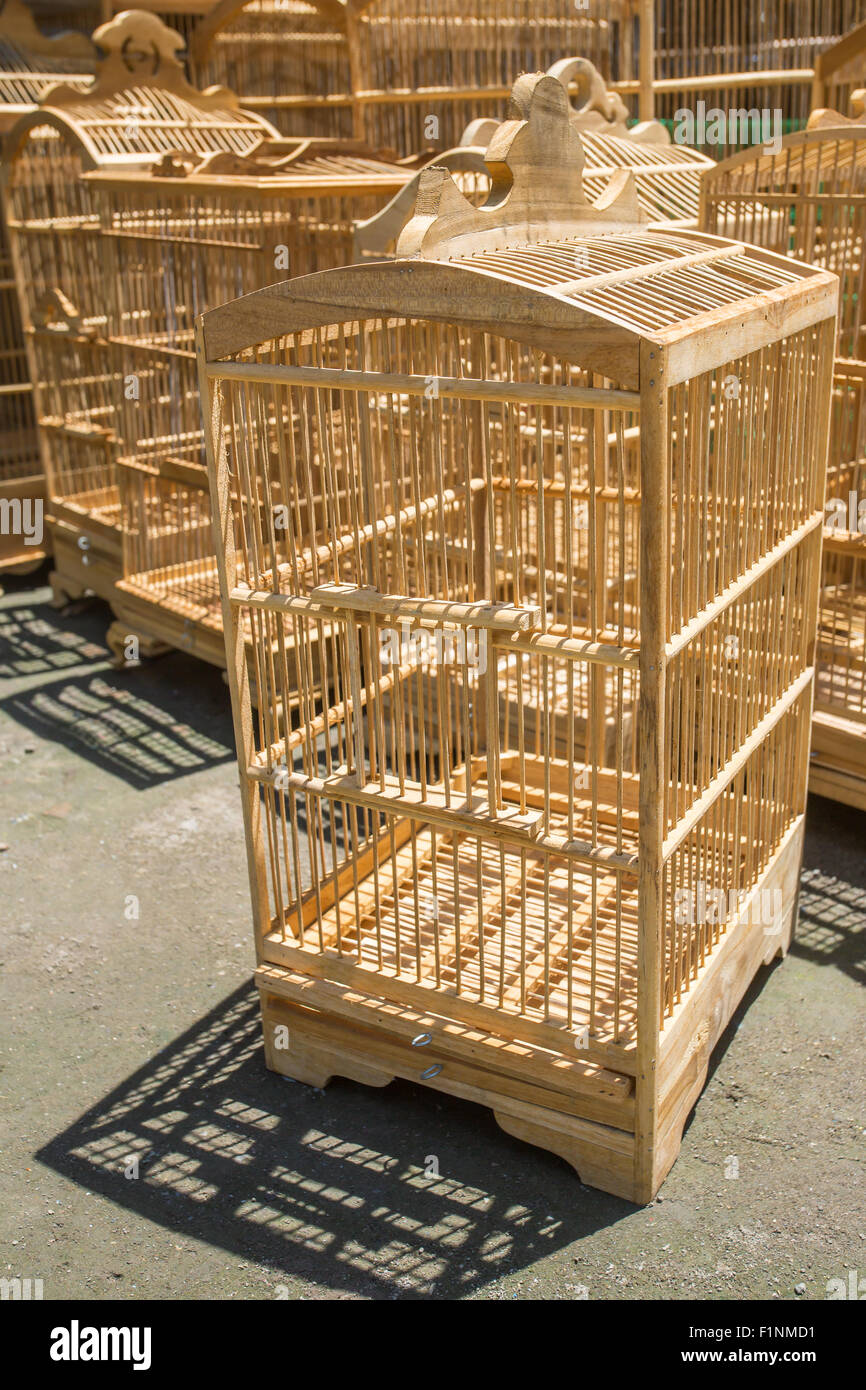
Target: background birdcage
138	107
177	238
529	739
778	56
404	74
809	201
30	62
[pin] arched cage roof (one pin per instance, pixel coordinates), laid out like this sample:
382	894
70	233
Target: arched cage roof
541	262
140	105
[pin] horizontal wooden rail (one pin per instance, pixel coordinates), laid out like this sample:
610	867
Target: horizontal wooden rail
741	586
351	598
406	384
553	645
704	82
521	831
736	763
555	487
564	648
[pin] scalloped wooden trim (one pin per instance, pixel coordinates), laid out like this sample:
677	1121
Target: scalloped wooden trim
825	118
603	111
140	51
536	167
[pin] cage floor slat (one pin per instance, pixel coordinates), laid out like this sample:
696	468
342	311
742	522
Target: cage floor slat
483	946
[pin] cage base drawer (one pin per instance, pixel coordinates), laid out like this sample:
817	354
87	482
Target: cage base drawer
585	1114
78	570
837	768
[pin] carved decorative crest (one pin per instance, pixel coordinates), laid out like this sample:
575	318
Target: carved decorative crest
536	167
603	112
824	118
140	51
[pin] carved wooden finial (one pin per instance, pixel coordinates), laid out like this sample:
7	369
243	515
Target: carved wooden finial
601	110
140	51
825	118
536	168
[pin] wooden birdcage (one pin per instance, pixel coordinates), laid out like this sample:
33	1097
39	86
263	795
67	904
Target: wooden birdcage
778	55
403	74
180	15
29	64
809	201
515	464
179	237
667	176
289	59
138	108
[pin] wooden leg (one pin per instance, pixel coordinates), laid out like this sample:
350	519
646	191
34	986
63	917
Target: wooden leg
65	590
117	638
597	1164
291	1053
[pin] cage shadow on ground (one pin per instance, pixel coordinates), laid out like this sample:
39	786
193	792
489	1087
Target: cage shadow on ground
147	725
832	923
327	1186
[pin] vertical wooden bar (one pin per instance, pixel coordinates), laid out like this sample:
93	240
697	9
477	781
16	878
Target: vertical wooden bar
646	60
654	580
237	667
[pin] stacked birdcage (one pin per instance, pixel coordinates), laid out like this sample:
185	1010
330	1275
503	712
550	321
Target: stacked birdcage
745	58
517	467
138	107
29	64
177	238
289	58
408	75
809	200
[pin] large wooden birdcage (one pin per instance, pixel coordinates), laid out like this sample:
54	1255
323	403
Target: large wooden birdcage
809	201
403	74
180	237
553	487
138	107
30	62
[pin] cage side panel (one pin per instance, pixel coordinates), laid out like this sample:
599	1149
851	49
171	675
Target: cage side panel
447	800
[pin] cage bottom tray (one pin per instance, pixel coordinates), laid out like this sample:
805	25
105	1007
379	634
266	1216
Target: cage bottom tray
322	1017
837	768
493	926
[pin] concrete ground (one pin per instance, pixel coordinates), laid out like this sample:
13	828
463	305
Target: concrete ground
147	1153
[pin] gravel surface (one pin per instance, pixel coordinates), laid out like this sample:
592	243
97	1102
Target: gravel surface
147	1153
